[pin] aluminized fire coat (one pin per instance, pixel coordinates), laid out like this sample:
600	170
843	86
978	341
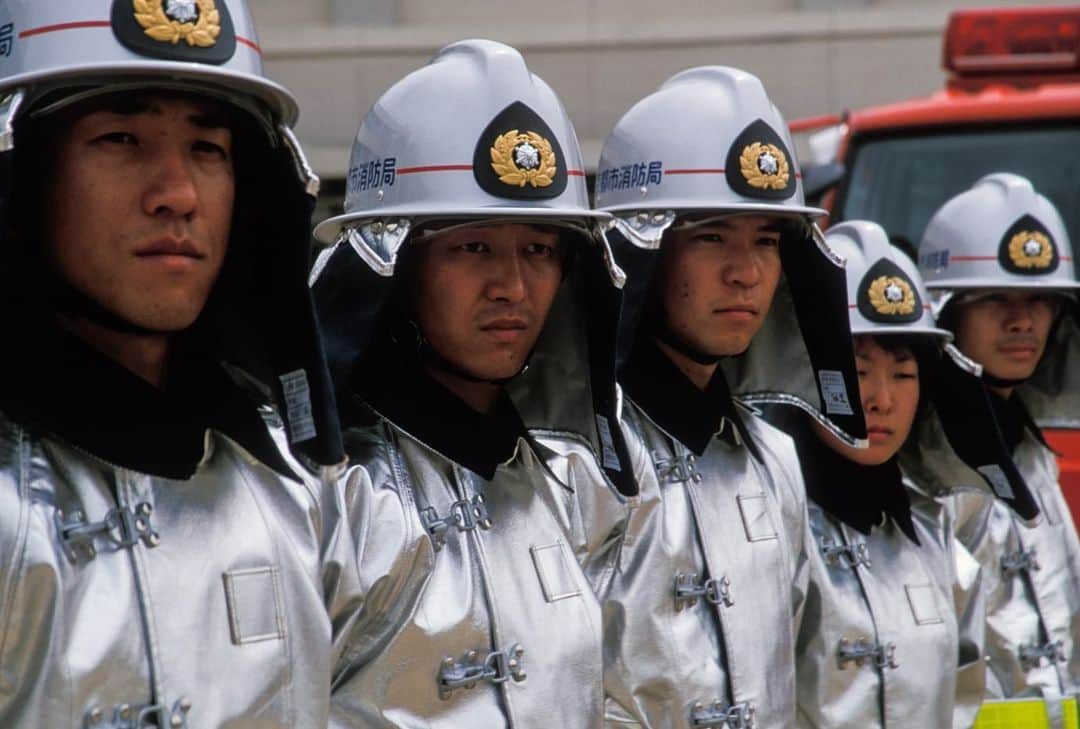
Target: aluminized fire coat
140	622
701	614
473	540
1032	574
883	653
495	627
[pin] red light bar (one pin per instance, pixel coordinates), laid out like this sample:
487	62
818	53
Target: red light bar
1014	39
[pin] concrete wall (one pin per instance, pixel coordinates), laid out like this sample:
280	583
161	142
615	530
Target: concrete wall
815	56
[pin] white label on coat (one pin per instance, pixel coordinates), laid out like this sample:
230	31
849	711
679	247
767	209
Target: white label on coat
998	480
756	518
924	607
556	579
607	444
298	406
835	393
1049	507
253	597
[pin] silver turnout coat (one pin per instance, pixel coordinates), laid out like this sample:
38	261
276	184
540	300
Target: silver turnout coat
1032	573
885	621
702	610
475	610
130	600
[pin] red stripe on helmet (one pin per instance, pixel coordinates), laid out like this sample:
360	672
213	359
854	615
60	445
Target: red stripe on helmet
249	43
434	168
65	26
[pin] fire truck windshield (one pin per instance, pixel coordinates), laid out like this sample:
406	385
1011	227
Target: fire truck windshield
899	181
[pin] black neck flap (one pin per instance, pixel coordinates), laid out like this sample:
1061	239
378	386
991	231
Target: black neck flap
397	388
260	316
857	495
970	422
692	416
1013	418
66	389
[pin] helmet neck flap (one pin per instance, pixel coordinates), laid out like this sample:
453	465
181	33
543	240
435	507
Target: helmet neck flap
260	317
889	299
709	142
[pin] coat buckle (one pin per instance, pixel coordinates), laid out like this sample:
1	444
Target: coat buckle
123	526
1031	655
1013	563
862	651
718	714
128	716
846	555
465	515
688	590
677	469
497	667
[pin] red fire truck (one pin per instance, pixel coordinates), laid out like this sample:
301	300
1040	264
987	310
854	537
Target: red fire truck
1011	103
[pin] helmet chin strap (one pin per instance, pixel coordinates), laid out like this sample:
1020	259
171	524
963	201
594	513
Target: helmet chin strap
659	329
995	381
427	355
68	301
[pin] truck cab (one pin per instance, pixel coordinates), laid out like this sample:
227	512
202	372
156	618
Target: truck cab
1011	103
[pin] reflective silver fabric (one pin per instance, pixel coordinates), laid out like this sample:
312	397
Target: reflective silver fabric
733	531
207	596
884	622
508	589
1032	575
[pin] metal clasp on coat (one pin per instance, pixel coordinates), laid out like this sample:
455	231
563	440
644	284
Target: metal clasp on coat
678	469
1031	655
127	716
718	714
1019	561
123	526
846	555
465	515
688	590
862	651
497	667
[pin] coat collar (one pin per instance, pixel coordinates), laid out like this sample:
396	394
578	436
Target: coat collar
692	416
401	392
63	387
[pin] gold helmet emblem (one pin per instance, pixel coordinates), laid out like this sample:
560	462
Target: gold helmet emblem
1031	249
196	22
891	296
524	158
764	166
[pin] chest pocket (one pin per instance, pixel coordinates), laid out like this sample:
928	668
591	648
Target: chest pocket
756	518
253	597
923	603
553	569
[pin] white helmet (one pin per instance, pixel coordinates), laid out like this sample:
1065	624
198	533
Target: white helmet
709	140
885	292
473	134
53	54
887	297
210	44
999	234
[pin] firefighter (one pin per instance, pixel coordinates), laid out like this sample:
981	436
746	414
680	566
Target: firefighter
892	632
727	278
165	563
465	300
999	262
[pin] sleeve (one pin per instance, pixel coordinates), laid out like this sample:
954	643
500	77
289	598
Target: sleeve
392	567
970	605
